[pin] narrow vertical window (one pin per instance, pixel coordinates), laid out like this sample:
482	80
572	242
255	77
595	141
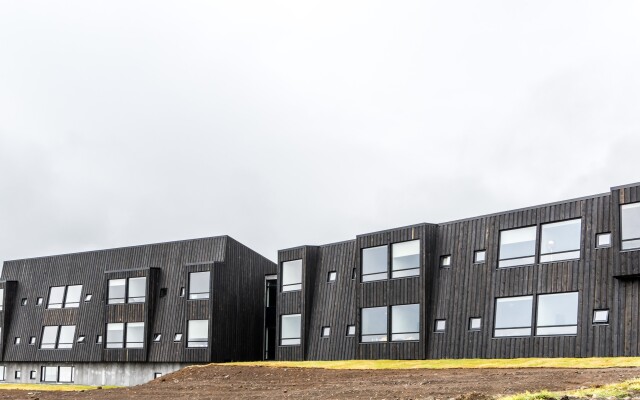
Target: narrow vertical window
291	275
405	259
560	241
630	221
373	324
199	284
374	264
290	329
517	247
67	335
1	299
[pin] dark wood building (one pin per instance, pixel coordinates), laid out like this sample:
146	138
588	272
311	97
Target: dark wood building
556	280
123	316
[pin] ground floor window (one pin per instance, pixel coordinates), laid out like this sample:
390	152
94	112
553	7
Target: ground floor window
2	372
57	374
290	329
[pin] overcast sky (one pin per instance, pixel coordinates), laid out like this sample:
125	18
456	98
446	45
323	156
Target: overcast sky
282	123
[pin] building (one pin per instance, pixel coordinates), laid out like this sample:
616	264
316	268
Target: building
556	280
127	315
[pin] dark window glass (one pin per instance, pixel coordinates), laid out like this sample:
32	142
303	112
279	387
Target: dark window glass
135	335
405	259
373	324
199	283
405	322
292	275
198	333
513	316
115	335
39	301
517	247
557	314
117	291
56	297
560	240
630	221
374	264
137	290
72	299
290	328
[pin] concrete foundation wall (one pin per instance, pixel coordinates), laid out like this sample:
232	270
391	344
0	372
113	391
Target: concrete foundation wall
94	374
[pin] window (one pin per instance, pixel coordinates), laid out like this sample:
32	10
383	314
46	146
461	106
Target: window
16	340
117	293
49	374
98	339
351	330
630	221
39	301
2	373
354	273
325	332
1	299
517	247
198	333
65	374
17	374
137	290
557	314
374	264
33	375
290	327
600	316
405	322
603	240
513	316
81	339
57	374
23	302
64	297
292	275
88	298
445	261
131	290
199	283
157	337
405	259
115	335
32	340
66	336
332	276
441	325
560	241
135	335
182	292
129	335
373	325
479	256
177	337
475	324
157	375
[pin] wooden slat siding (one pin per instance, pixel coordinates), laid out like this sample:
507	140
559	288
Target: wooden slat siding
165	264
10	289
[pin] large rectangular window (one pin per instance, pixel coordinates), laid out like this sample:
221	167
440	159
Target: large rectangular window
72	298
198	333
517	247
513	316
115	335
560	240
557	314
137	290
58	337
375	263
56	297
405	259
57	374
373	324
290	329
291	275
135	335
117	291
630	221
127	290
129	335
199	283
405	322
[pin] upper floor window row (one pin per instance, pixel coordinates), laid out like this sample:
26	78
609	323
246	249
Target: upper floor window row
404	261
630	226
558	241
127	290
199	284
64	296
291	275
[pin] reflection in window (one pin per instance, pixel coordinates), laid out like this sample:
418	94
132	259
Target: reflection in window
406	259
290	329
198	333
517	247
513	316
199	284
58	337
131	290
557	314
600	316
135	335
373	325
117	291
405	322
72	299
292	275
49	337
374	264
115	335
56	297
630	221
560	240
137	289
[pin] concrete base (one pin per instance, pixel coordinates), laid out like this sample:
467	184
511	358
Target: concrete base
94	374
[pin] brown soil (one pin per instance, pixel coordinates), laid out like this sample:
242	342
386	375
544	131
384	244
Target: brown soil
232	382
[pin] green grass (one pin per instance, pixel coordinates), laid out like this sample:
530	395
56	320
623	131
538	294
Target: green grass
608	362
43	387
618	390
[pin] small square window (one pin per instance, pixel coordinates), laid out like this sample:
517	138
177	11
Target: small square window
32	340
351	330
177	337
445	261
182	292
157	337
39	301
475	324
23	302
98	339
88	297
33	375
353	273
441	324
479	256
326	331
81	339
18	374
157	375
600	316
603	240
332	276
16	340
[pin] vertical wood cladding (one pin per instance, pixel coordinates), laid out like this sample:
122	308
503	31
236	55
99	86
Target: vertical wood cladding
237	275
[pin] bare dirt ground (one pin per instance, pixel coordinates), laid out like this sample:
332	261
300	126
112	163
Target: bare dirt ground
233	382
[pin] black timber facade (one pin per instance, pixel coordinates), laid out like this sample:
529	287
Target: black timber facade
233	309
604	278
